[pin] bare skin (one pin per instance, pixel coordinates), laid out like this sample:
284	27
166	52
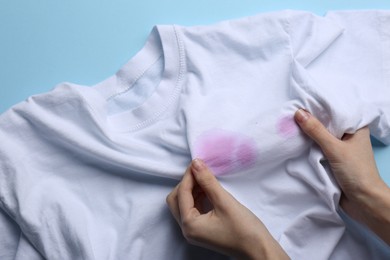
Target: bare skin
230	228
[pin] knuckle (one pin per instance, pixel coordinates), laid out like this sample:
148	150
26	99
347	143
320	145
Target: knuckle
207	181
170	199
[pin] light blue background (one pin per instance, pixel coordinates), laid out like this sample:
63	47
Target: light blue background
45	42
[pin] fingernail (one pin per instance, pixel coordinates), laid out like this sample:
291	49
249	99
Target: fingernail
302	115
198	164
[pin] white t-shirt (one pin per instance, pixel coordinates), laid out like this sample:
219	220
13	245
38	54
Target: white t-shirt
84	171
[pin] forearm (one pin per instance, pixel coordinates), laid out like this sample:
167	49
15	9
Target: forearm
375	205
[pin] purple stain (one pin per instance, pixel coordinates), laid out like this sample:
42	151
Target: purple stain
287	127
225	152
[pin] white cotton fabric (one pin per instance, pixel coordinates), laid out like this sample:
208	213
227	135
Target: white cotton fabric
84	171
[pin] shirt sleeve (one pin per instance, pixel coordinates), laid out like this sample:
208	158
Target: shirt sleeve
310	35
347	84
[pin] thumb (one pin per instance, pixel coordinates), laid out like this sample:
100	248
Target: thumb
316	130
207	182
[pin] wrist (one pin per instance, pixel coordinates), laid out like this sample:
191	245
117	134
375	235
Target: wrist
376	204
371	207
366	190
370	196
264	247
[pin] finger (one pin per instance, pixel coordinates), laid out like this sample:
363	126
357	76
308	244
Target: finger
173	204
316	130
185	197
209	184
172	201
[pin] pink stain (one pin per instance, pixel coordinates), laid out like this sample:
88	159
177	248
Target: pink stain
225	152
287	127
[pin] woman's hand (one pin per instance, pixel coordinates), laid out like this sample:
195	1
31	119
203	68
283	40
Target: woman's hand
366	197
211	217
